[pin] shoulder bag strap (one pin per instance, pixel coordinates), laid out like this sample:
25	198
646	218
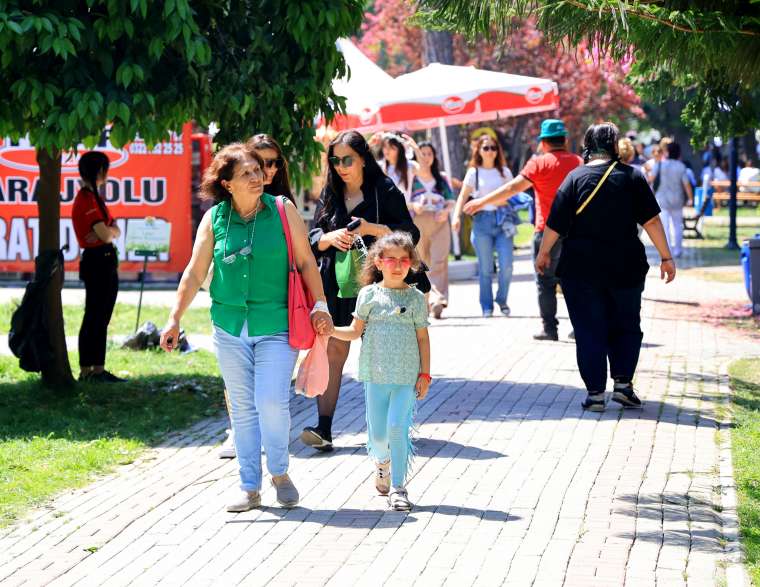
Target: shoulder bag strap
596	189
280	200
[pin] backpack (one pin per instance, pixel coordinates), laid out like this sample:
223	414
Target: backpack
29	338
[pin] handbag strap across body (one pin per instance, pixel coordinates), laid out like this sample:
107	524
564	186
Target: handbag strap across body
596	189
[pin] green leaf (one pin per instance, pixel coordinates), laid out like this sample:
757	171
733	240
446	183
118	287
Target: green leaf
124	112
112	110
14	26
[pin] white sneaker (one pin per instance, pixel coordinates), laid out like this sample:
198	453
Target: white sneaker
227	450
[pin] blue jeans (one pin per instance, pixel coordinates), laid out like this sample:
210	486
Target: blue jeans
390	409
488	237
257	371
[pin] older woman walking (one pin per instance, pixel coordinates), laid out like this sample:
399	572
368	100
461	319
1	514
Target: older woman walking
603	263
244	236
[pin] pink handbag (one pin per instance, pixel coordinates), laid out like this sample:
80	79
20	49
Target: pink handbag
300	302
314	371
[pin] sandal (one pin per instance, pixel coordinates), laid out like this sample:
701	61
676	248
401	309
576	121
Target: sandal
398	500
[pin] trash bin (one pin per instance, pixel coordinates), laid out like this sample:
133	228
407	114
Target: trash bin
754	274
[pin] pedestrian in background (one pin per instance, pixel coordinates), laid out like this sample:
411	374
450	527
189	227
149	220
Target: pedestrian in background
603	263
493	227
673	191
394	363
244	236
544	173
96	232
431	201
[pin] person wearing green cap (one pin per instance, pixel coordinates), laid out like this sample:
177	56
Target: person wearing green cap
544	173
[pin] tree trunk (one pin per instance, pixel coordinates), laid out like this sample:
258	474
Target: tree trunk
57	373
438	47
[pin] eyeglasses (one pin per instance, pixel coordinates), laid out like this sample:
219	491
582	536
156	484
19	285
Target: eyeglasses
489	148
232	257
243	252
404	262
269	163
346	161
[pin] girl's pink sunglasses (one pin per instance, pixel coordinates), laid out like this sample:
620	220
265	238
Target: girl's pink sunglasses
393	262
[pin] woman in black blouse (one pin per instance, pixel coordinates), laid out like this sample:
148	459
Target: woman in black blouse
356	191
603	263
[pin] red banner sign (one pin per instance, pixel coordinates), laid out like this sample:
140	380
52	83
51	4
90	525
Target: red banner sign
142	182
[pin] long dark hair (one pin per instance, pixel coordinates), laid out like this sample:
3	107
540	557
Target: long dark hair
601	139
477	161
402	165
370	273
334	204
91	165
280	185
440	183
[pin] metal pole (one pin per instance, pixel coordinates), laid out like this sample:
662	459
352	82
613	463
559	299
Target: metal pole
732	244
142	287
455	244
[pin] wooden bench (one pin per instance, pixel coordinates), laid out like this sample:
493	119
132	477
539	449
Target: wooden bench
722	187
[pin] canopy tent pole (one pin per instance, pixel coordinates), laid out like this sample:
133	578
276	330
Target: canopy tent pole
456	247
445	147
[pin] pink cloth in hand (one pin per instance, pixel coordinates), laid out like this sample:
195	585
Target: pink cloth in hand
314	372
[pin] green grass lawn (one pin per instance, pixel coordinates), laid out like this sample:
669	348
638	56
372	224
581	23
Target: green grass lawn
714	251
195	320
745	439
51	441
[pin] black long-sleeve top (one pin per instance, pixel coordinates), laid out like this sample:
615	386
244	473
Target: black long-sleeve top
383	204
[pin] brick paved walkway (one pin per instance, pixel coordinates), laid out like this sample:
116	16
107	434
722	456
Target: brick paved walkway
514	483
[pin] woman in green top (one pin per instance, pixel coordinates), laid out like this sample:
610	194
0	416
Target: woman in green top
244	237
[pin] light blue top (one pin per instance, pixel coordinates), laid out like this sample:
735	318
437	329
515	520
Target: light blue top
390	353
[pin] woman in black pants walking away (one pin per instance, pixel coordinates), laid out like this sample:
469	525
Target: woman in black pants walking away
603	264
98	268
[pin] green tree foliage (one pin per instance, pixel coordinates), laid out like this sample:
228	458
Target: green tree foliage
70	68
703	52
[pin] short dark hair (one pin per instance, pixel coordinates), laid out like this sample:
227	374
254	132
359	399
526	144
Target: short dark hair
601	138
674	150
222	168
556	142
91	165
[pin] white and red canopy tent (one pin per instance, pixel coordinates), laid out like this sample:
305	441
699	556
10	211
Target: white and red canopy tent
435	96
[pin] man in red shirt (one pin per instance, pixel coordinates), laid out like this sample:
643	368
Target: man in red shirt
544	173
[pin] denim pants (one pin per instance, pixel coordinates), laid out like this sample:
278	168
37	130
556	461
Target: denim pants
488	237
390	410
257	371
607	324
546	284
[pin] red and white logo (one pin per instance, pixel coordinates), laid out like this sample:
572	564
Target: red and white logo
23	158
367	115
453	105
534	95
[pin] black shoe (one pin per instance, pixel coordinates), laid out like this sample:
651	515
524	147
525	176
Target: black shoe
505	309
594	402
315	438
626	397
544	335
102	377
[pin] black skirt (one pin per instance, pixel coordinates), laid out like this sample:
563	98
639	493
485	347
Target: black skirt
342	310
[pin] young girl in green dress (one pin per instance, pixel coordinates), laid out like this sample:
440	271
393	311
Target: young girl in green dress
394	363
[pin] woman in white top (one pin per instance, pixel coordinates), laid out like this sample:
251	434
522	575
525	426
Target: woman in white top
493	228
395	163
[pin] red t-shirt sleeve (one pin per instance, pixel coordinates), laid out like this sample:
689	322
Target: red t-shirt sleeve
91	213
530	169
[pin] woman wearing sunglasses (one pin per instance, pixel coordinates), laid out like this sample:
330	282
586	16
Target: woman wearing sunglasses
243	234
493	228
276	179
357	200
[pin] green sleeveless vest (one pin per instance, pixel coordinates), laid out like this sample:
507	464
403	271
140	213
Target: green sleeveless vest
252	288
